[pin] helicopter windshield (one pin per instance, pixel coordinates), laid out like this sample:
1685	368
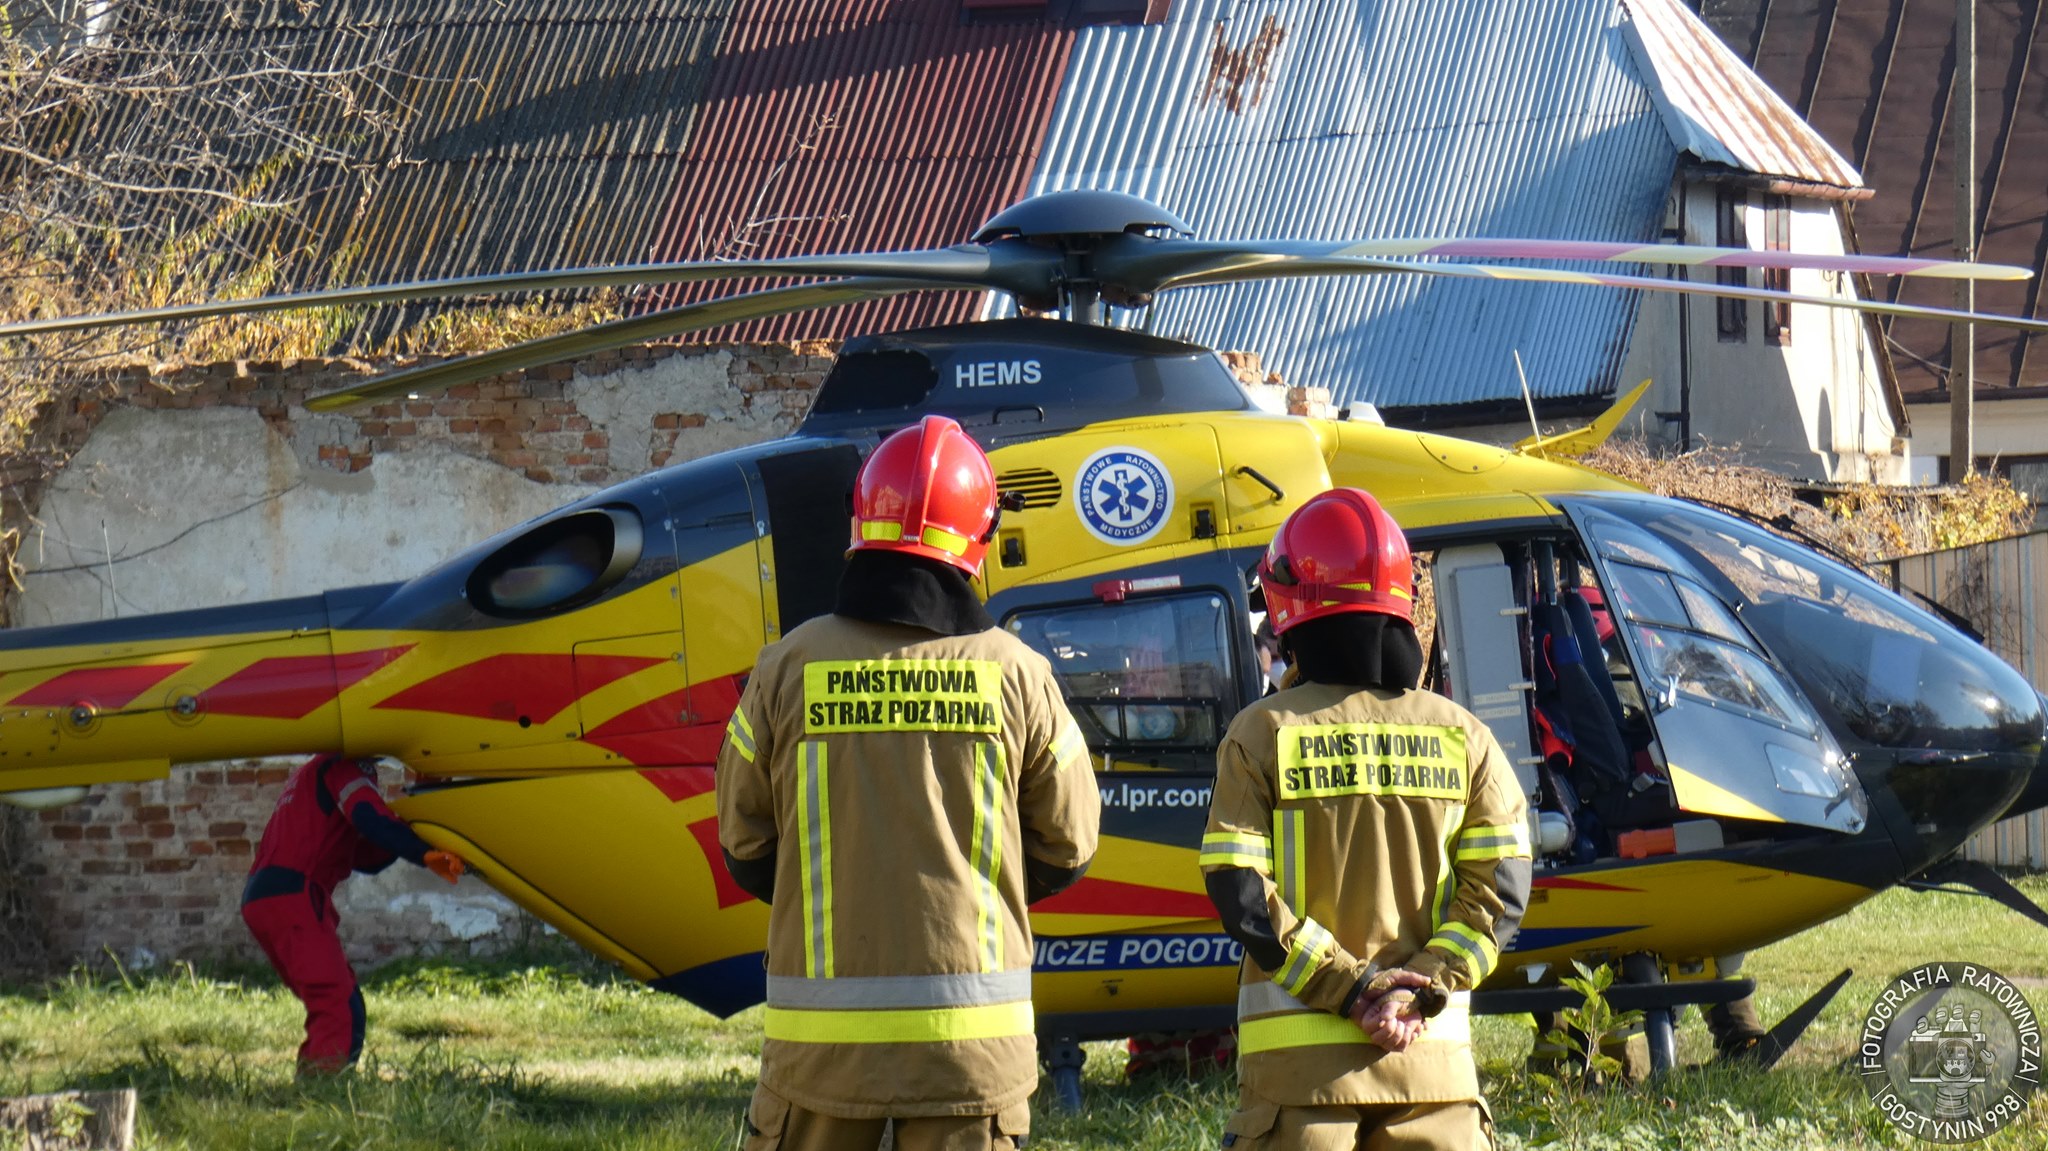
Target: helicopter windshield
1144	675
1880	670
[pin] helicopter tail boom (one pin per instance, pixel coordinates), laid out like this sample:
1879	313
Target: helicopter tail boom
123	700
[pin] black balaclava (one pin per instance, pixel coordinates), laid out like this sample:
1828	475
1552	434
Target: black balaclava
896	587
1356	649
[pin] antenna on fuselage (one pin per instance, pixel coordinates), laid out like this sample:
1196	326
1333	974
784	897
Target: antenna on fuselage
1528	401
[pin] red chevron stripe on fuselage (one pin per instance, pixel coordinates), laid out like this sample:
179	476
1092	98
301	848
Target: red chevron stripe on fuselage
507	687
293	687
110	688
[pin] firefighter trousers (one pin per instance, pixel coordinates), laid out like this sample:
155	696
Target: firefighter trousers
297	932
1260	1126
776	1124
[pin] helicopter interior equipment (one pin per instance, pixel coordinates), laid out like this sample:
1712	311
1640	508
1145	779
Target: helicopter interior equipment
1725	736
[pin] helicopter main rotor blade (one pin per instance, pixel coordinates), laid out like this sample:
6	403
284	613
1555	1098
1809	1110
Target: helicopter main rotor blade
1013	267
619	333
1147	264
1273	267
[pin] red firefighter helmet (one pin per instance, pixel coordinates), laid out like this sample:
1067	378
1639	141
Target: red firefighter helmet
927	490
1339	552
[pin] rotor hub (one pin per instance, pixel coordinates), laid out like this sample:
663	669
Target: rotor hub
1082	214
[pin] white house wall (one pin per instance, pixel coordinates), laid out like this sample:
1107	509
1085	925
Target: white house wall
1814	408
2005	430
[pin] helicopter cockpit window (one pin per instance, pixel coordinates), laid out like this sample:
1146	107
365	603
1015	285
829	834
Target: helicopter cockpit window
1739	737
1142	677
559	564
1880	670
1692	644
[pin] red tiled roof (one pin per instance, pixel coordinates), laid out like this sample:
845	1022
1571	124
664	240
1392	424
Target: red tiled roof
858	126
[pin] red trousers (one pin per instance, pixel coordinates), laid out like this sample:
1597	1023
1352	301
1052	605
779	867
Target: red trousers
297	933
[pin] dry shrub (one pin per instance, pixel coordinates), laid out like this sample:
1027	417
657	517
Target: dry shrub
1869	522
1890	522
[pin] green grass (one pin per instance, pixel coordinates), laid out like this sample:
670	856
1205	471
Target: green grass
551	1052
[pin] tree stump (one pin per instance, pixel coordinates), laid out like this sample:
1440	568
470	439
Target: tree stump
73	1120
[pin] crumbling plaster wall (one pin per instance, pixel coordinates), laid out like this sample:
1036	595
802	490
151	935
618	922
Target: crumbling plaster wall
215	485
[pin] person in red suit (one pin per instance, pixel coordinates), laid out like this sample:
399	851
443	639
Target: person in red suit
329	822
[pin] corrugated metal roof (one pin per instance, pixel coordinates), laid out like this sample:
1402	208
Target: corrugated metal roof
1874	76
1719	110
533	135
1467	118
858	125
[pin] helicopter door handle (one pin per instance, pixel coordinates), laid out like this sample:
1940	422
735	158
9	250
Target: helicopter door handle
1667	698
1252	473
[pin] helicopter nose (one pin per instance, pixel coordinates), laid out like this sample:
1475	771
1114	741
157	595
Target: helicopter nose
2034	796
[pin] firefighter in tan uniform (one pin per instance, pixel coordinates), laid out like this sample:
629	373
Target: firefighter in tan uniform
1368	846
900	779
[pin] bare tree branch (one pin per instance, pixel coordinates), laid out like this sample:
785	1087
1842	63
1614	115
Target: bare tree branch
87	176
162	151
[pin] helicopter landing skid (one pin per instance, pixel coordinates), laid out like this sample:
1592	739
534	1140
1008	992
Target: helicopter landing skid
1060	1037
1977	878
1773	1045
1660	1021
1642	987
1063	1057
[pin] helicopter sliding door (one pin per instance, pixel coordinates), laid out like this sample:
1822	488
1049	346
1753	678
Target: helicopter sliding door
1477	610
1739	739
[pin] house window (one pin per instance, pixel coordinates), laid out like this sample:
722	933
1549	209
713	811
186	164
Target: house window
2028	473
1777	238
1731	315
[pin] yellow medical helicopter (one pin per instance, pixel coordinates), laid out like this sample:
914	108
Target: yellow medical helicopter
1726	737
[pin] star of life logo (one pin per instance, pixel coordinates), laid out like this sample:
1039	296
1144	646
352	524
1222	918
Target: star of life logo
1123	495
1950	1052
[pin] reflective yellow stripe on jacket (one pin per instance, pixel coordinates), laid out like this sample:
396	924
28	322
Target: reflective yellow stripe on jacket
1269	1019
899	1008
740	734
1232	849
1504	841
1070	748
814	831
1290	871
987	849
1312	941
1477	947
1446	875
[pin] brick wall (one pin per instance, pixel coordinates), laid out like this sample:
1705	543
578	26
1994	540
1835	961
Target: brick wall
142	874
153	869
528	421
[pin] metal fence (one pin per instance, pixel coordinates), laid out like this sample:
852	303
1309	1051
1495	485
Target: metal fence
2001	587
